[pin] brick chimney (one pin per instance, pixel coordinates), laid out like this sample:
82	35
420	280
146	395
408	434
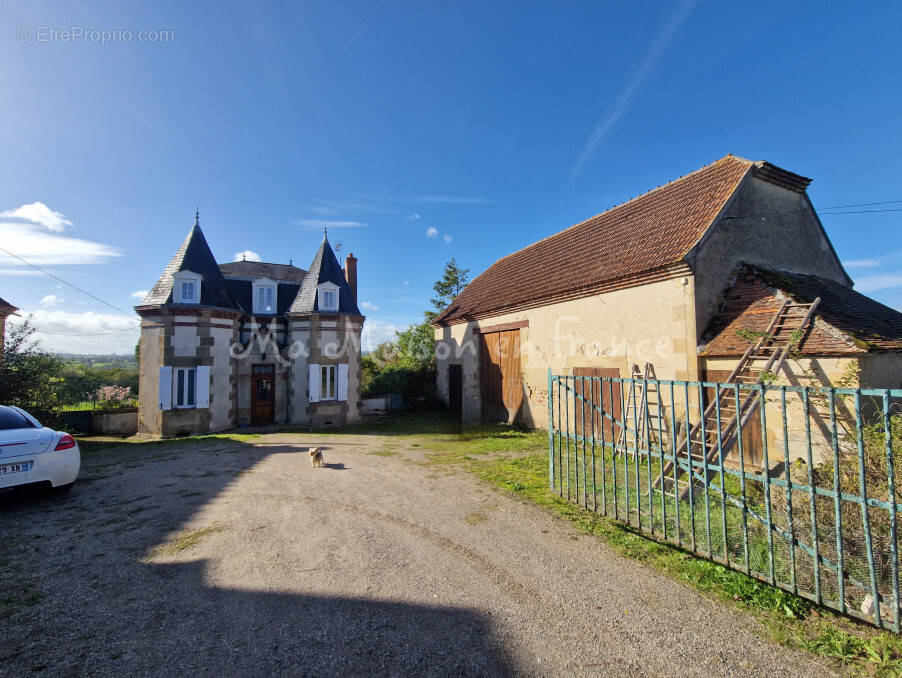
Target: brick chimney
351	274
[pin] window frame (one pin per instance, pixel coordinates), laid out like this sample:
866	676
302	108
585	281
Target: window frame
184	388
259	286
324	289
182	278
328	382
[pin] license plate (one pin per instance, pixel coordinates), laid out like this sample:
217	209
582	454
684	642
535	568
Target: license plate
13	468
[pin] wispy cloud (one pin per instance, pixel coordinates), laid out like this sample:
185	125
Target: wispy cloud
247	255
369	306
376	332
87	332
644	67
861	263
432	232
414	217
319	223
20	272
334	208
139	294
359	30
51	300
879	281
38	214
33	232
447	238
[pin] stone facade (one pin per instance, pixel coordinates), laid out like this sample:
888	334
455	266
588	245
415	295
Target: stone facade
219	363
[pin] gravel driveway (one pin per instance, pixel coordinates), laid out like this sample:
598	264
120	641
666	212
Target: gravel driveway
224	557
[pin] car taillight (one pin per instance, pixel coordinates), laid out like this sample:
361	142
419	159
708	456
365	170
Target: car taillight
65	442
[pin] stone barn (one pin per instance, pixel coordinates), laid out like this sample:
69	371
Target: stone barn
682	279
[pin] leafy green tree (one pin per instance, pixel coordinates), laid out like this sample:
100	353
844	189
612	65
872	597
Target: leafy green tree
452	283
28	375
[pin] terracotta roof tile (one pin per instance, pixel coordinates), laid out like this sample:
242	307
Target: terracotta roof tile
846	322
646	234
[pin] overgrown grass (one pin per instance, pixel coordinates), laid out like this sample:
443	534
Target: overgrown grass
184	541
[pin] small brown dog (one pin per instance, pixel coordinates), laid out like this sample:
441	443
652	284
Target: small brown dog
316	457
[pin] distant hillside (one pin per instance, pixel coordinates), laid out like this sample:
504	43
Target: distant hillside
113	360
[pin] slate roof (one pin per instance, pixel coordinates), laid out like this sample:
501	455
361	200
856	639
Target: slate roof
193	255
324	268
847	322
6	308
646	234
242	292
262	269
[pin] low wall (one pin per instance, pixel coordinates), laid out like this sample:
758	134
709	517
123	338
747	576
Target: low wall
121	421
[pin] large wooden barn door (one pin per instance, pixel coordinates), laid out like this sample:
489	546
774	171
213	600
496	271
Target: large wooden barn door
500	383
752	448
607	394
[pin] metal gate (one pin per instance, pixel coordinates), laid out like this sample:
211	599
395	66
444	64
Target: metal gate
813	511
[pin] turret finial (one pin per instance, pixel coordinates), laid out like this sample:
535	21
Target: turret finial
197	216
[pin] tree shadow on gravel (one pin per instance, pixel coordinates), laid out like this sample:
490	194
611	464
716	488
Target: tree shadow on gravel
81	597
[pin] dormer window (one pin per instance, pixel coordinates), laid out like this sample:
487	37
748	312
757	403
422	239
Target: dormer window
265	296
328	297
186	288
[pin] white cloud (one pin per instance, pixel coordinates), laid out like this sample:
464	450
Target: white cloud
39	214
369	306
624	99
406	282
19	272
432	232
880	281
247	255
32	232
88	332
319	224
447	238
139	294
51	300
861	263
414	216
376	332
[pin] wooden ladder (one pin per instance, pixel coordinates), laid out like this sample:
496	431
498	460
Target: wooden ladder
643	405
721	421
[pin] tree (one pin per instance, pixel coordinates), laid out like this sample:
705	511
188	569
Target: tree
28	375
452	283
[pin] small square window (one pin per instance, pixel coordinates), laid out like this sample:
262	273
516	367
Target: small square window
265	300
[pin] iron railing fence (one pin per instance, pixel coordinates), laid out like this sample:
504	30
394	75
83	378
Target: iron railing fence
806	497
79	394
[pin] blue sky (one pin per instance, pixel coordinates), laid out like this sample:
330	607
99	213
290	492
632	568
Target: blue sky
419	131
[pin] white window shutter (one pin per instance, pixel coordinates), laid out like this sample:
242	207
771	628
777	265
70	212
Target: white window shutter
313	384
165	388
342	390
202	387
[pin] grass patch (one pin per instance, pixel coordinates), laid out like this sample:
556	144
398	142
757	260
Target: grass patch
475	518
184	541
383	453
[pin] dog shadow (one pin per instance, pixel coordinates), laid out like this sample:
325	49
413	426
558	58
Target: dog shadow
336	467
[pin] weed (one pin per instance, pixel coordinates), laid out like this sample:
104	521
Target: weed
184	541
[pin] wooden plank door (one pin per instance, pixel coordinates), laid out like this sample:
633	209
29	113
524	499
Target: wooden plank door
605	394
752	449
263	394
501	387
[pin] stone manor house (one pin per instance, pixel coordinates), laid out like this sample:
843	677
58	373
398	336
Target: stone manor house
248	343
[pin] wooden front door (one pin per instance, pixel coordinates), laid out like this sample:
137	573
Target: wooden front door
263	394
455	388
499	376
752	449
603	393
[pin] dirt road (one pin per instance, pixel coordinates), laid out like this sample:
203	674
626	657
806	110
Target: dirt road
237	558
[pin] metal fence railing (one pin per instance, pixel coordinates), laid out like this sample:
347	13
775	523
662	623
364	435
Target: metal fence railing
804	495
79	394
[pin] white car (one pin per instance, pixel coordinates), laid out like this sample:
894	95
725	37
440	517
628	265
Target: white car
32	454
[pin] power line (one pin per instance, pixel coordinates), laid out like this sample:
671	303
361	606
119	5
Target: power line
890	209
65	282
861	204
